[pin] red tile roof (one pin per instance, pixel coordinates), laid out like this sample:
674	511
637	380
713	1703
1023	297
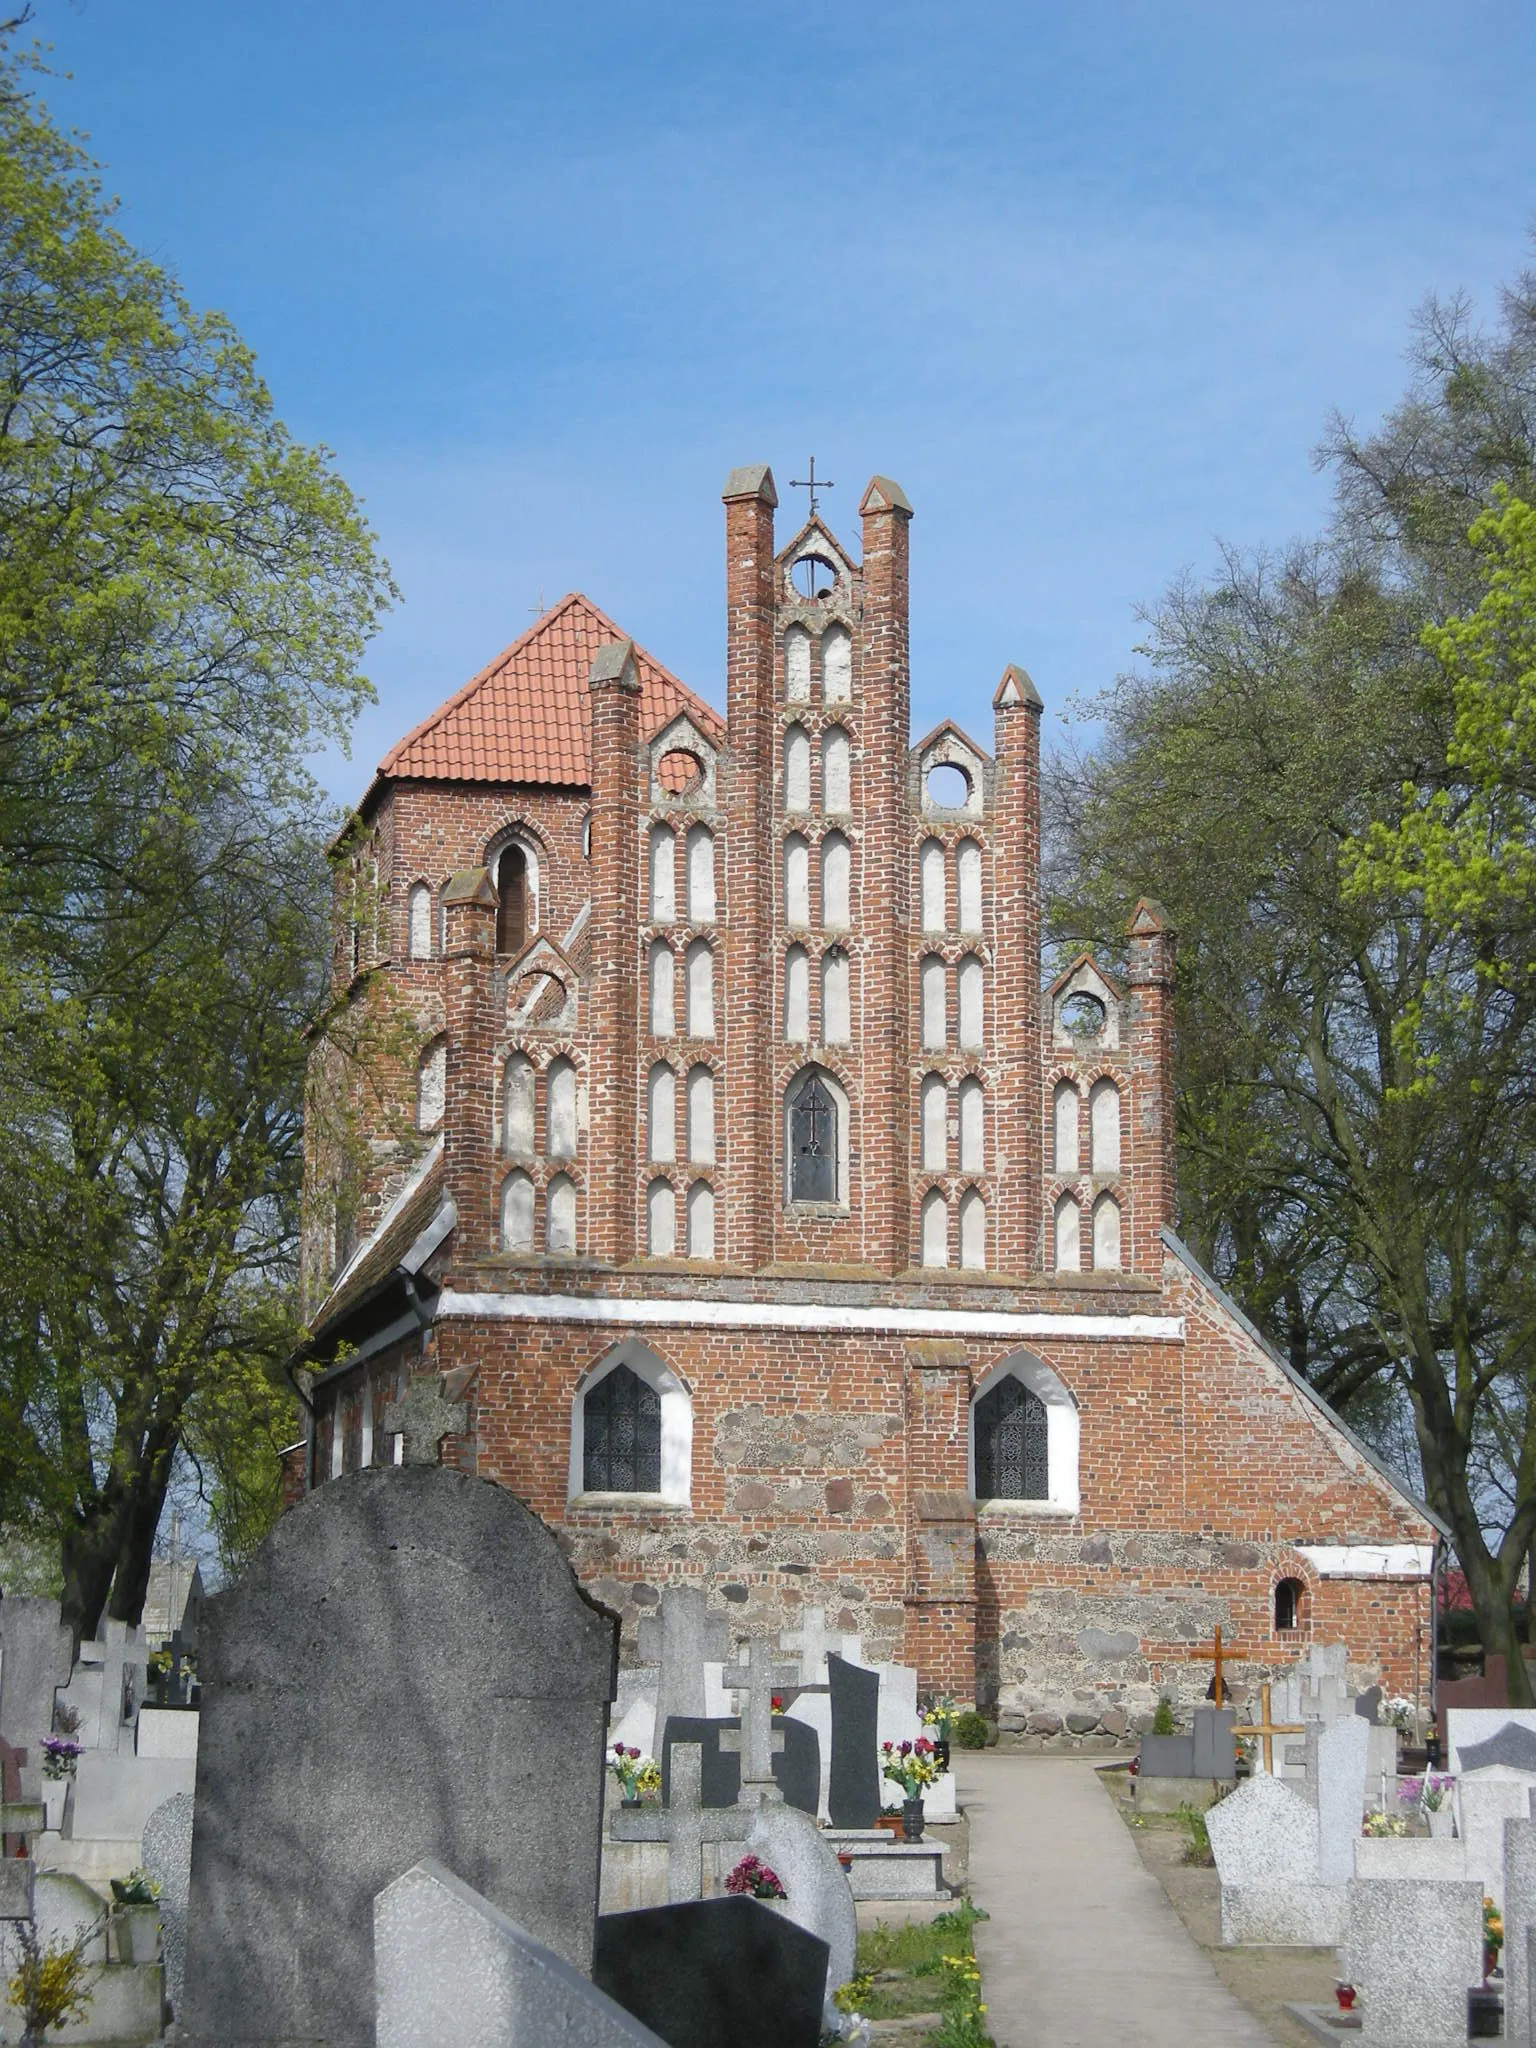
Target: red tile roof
525	717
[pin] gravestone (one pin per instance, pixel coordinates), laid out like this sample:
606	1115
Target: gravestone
685	1824
1166	1756
1485	1801
407	1668
819	1897
13	1760
853	1781
35	1660
166	1853
1416	1949
1215	1746
450	1971
814	1711
796	1767
1265	1840
1519	1918
1336	1760
1513	1746
108	1687
713	1972
679	1641
758	1740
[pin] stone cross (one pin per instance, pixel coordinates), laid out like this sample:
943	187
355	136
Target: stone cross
811	1640
755	1739
424	1416
685	1825
122	1658
680	1641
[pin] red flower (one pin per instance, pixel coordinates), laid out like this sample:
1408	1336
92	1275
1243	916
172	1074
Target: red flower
924	1746
778	1703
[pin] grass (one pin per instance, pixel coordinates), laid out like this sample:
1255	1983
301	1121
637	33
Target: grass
927	1967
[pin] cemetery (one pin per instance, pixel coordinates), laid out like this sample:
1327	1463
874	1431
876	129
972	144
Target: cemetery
420	1811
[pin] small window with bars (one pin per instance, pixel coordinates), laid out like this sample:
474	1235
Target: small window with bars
621	1435
1011	1450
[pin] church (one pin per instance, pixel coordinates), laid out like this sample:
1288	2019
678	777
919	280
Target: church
704	1124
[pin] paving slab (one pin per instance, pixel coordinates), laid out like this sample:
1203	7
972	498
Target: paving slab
1082	1946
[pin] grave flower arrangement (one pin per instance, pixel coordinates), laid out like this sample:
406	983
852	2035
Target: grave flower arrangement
1384	1824
60	1755
1399	1712
912	1765
1429	1792
1493	1935
639	1776
754	1880
939	1715
138	1888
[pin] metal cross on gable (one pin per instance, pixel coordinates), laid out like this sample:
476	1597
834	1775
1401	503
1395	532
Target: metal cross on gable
812	483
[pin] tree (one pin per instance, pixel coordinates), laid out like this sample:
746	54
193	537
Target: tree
185	595
1356	1102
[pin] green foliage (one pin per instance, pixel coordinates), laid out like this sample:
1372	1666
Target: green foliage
972	1731
1162	1720
1356	1024
1197	1845
899	1966
185	594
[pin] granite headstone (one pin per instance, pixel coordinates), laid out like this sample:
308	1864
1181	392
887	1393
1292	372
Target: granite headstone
853	1781
1416	1949
406	1668
796	1768
166	1853
714	1971
35	1659
1519	1916
678	1641
819	1896
1215	1746
451	1971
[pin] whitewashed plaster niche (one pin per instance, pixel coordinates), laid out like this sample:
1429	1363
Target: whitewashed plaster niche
1068	1221
934	1229
797	881
1064	1125
701	1116
418	922
701	875
837	666
681	736
1083	979
676	1420
836	772
431	1085
797	769
948	747
797	666
836	864
1063	1435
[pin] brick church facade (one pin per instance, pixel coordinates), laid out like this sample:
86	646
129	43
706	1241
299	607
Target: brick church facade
714	1136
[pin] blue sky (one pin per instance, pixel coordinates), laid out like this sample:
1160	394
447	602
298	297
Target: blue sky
1087	280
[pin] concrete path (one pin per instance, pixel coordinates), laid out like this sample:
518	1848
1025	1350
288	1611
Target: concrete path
1082	1949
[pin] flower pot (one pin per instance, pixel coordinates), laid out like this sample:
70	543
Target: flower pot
1490	1962
628	1801
1346	1995
941	1752
890	1821
55	1792
1441	1825
912	1820
138	1933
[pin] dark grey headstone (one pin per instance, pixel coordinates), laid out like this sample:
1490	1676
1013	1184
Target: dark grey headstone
407	1669
1215	1750
1368	1704
1512	1745
853	1778
1167	1756
796	1768
713	1972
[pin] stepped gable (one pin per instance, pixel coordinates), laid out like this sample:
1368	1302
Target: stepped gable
525	716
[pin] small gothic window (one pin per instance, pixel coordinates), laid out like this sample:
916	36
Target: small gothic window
621	1435
701	1115
1288	1594
836	1011
1011	1454
973	1232
934	1103
973	1144
835	795
797	769
517	1213
1104	1127
813	1144
661	1113
512	900
560	1110
1064	1106
560	1215
517	1098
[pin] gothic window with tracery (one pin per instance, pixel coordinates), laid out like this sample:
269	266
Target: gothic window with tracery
1011	1444
813	1144
621	1435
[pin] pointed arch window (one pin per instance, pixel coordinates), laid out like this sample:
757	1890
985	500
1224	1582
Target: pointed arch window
835	865
419	922
813	1138
621	1435
1012	1444
512	905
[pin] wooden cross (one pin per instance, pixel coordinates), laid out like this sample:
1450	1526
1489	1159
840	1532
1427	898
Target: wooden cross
1216	1655
813	483
1269	1730
424	1416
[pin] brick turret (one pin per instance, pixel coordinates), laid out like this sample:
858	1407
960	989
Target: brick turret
1016	711
616	981
1150	978
469	951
